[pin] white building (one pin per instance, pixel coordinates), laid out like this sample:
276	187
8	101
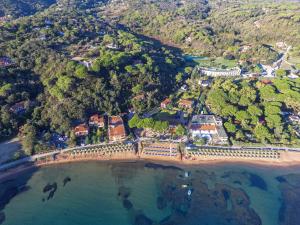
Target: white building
214	72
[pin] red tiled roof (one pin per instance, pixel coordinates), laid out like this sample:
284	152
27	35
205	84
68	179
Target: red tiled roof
166	101
185	102
116	127
206	127
82	128
97	119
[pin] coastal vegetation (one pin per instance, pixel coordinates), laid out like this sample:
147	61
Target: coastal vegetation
62	89
255	111
77	58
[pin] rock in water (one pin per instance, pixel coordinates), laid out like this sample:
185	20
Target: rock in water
66	180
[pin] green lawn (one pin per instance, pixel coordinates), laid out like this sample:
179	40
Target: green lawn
217	62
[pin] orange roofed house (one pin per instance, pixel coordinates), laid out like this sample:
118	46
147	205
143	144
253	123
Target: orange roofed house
81	130
185	103
97	121
116	129
165	103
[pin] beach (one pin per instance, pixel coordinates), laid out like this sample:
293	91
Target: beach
287	159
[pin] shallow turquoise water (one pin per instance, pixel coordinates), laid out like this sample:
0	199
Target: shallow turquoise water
97	193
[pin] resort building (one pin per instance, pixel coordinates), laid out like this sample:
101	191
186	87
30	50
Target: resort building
167	102
209	127
185	103
160	149
81	130
214	72
97	121
116	129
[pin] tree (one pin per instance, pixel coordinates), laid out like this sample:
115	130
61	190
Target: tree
253	110
281	73
134	121
242	116
262	133
81	72
28	138
229	110
180	130
72	139
231	128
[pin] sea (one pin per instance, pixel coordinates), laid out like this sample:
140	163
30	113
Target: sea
147	193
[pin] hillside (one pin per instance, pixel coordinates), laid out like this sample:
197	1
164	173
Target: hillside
69	64
212	27
18	8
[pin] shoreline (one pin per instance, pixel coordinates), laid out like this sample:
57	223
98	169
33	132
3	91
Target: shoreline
289	160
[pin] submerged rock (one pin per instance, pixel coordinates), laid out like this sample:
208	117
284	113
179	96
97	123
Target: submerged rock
141	219
51	188
127	204
66	180
47	188
124	192
161	203
2	217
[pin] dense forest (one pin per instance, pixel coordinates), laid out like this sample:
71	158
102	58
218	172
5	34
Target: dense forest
255	111
214	28
18	8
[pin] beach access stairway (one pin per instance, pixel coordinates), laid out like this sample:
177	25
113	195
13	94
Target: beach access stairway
249	153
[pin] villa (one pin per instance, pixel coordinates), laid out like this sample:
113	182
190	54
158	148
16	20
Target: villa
81	130
167	102
208	126
97	121
215	72
116	129
185	103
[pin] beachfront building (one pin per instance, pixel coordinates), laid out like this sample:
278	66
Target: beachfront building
116	129
81	130
165	103
185	103
215	72
97	121
160	149
209	127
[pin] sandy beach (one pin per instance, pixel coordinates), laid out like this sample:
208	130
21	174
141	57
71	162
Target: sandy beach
288	159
